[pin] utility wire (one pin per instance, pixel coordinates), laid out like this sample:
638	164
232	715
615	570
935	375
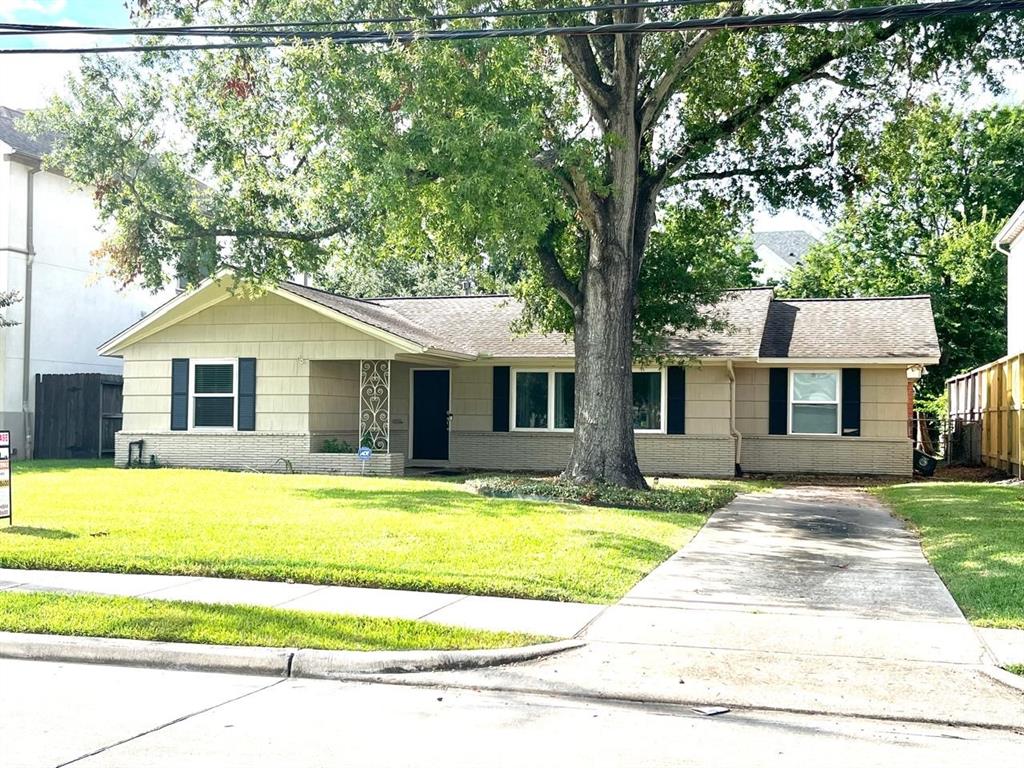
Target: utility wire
282	27
908	12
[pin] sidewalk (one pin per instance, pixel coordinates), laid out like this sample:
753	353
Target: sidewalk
806	600
541	617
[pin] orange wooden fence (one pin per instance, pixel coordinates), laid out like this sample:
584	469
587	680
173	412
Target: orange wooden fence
993	395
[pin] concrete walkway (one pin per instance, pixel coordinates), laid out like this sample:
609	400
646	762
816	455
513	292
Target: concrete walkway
541	617
808	599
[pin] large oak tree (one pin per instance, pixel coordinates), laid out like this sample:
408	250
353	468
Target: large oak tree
550	158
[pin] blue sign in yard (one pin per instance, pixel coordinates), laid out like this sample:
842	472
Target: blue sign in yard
364	453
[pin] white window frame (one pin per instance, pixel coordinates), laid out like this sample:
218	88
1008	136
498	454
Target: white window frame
513	396
838	402
192	394
551	400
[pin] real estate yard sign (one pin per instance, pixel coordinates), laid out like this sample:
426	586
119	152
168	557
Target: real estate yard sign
5	477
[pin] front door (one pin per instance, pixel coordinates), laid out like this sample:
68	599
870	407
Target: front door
430	415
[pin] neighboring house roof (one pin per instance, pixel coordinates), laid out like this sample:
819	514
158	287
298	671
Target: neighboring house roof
748	325
901	327
20	141
790	245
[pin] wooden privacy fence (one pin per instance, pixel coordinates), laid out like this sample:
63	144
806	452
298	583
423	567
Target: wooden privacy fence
76	415
992	396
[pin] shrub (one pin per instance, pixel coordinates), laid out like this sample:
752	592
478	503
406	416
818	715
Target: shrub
333	445
702	500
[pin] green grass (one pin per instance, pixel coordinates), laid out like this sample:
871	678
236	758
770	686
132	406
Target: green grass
415	534
1017	669
172	621
973	534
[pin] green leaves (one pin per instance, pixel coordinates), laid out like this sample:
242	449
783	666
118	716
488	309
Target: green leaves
939	185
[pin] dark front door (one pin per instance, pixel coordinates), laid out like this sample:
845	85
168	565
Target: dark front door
430	415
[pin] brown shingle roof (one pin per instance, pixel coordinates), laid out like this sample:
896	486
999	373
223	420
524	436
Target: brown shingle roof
896	327
755	325
743	314
382	317
483	323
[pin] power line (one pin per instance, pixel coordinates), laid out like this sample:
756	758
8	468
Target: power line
909	12
259	29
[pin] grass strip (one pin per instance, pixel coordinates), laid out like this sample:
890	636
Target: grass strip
973	535
188	622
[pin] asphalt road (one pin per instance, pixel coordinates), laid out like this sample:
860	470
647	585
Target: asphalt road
65	714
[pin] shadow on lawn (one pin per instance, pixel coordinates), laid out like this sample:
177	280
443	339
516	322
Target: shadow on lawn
38	533
443	502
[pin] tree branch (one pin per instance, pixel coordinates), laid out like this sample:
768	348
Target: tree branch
730	173
661	92
579	58
547	255
742	117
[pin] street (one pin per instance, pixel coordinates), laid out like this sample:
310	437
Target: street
90	716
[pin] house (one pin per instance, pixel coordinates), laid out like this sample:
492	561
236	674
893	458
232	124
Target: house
217	379
779	252
1010	241
48	231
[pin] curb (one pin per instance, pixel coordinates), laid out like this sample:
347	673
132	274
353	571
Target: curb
254	660
1001	675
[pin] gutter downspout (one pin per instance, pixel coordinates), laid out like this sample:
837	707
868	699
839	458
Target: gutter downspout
736	434
30	255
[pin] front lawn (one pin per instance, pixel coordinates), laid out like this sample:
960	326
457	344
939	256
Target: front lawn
415	534
973	534
185	622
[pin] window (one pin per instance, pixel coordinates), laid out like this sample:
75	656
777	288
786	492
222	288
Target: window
647	400
565	400
814	403
547	400
213	394
531	400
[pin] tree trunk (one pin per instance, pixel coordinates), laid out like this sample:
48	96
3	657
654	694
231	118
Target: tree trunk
604	448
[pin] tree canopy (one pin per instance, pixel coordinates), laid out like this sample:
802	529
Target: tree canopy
939	185
554	161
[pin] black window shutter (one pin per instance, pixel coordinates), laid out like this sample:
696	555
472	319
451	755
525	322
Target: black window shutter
778	401
851	402
247	394
676	421
179	393
501	393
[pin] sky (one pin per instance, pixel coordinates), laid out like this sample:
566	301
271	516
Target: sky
29	82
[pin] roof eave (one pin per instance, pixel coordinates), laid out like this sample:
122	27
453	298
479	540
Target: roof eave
905	360
1012	228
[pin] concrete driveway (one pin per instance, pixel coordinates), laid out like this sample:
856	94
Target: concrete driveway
803	599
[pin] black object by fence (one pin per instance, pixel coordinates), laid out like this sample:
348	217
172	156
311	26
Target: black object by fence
77	415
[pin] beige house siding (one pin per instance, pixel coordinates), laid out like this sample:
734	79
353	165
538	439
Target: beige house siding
883	408
707	400
282	336
333	396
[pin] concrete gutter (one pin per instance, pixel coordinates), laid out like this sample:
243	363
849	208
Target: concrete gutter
254	660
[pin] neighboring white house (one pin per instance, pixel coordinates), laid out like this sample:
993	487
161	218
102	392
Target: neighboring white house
1010	241
48	231
778	252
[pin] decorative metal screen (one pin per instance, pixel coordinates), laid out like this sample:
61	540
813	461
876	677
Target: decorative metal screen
375	404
